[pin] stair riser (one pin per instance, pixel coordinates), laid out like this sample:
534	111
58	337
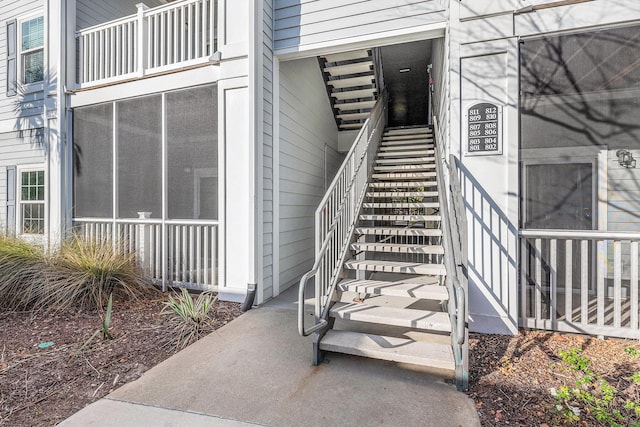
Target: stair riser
392	249
404	270
404	154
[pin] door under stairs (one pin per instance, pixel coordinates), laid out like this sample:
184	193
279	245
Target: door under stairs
391	304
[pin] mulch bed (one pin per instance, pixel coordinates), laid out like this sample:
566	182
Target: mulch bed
44	386
511	378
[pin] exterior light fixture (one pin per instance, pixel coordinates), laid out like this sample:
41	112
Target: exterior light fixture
404	70
625	159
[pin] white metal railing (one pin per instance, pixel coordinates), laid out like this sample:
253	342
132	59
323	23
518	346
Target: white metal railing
175	35
181	253
580	281
337	214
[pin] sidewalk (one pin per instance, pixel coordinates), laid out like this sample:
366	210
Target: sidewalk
257	370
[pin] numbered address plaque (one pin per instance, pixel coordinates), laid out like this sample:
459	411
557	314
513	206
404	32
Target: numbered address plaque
483	129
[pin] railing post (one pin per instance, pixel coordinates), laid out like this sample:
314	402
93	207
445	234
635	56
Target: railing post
144	249
141	54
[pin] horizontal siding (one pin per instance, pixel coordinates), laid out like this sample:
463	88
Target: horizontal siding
267	143
306	125
22	108
304	22
16	148
94	12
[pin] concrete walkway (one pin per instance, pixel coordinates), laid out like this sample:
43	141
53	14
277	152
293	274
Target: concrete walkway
257	370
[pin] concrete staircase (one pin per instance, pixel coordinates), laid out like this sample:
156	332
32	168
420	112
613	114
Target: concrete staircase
391	304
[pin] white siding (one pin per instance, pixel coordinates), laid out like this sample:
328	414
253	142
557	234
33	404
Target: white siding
267	141
306	125
94	12
16	148
305	22
21	107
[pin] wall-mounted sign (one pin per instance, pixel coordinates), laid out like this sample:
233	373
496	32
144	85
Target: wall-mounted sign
482	129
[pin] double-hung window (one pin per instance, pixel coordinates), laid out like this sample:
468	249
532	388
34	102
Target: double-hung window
31	189
31	45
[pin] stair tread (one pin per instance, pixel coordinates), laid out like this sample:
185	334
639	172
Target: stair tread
389	154
401	168
416	205
417	218
402	194
405	141
402	184
407	131
346	69
347	56
389	348
384	149
352	82
403	175
358	105
403	317
354	94
396	267
406	160
402	288
399	230
398	248
353	116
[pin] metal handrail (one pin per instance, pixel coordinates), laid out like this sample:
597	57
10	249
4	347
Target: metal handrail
323	294
455	262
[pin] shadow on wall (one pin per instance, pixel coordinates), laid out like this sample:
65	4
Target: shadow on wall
491	264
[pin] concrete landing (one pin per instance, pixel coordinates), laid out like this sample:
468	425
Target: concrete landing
257	370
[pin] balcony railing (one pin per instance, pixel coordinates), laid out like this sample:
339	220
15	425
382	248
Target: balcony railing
164	38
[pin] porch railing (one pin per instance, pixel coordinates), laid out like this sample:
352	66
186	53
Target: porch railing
580	281
454	235
336	217
176	253
175	35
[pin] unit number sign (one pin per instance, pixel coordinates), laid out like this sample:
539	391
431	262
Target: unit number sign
483	126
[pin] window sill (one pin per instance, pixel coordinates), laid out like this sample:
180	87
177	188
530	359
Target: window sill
29	88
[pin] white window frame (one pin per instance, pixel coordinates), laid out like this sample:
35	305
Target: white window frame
20	202
35	86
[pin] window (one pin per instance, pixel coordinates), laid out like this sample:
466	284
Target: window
32	202
32	50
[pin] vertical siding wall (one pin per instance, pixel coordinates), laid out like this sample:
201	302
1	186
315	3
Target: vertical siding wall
267	141
306	125
94	12
300	23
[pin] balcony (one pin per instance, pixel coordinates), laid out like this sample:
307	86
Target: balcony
155	40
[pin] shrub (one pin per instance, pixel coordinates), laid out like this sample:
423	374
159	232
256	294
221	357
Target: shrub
85	273
190	318
21	266
80	274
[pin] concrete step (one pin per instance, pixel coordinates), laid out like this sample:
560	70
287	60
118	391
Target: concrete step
400	142
406	160
391	194
407	131
401	350
402	288
359	105
352	82
353	116
354	94
402	168
347	56
353	68
403	317
413	153
405	184
398	248
403	175
421	205
405	147
396	267
407	218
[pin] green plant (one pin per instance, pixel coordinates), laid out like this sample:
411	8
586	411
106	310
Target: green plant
86	273
632	351
190	317
594	394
